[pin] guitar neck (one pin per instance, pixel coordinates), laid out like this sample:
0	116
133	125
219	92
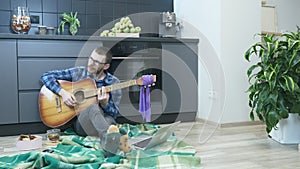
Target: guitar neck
94	92
120	85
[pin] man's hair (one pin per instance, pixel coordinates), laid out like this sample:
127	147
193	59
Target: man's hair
104	51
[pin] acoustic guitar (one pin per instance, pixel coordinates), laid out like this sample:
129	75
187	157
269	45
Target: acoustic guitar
54	113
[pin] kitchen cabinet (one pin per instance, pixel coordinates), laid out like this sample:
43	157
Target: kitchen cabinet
9	91
180	74
26	57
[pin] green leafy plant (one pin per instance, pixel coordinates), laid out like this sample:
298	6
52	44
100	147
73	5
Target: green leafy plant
70	19
274	79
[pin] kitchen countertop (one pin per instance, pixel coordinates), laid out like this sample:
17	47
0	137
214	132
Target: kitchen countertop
93	38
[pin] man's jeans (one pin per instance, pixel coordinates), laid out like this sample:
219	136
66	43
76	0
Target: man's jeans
93	122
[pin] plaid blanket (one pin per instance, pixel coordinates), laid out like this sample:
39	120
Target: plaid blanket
85	153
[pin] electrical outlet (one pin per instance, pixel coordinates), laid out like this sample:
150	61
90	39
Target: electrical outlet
34	19
212	94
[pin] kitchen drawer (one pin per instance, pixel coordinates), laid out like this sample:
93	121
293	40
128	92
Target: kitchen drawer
31	69
29	109
55	48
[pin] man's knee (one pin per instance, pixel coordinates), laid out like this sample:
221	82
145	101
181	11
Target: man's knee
89	112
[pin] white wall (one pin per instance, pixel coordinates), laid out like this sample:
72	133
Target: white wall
202	19
225	29
205	15
241	19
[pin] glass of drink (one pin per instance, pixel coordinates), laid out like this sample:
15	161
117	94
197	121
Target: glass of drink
53	135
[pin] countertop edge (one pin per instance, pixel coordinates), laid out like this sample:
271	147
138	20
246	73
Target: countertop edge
95	38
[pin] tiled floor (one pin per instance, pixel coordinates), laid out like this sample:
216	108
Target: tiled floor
241	147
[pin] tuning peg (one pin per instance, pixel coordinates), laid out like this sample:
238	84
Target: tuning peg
153	84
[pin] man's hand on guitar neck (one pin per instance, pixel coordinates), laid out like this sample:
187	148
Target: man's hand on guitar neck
103	97
68	98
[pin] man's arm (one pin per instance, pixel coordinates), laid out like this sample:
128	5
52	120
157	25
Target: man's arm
112	107
50	81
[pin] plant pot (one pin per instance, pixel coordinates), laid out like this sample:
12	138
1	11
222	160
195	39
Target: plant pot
287	130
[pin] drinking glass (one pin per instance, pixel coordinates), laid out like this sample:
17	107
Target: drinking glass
53	135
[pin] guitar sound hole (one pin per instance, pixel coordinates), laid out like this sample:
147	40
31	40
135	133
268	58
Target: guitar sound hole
79	95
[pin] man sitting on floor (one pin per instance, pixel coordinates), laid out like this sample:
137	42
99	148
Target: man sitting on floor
95	119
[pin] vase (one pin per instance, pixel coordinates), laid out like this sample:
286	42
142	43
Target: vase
20	20
73	29
287	131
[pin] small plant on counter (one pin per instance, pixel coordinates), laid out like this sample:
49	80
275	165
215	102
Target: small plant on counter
70	19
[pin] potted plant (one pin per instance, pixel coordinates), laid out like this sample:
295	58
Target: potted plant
72	20
274	80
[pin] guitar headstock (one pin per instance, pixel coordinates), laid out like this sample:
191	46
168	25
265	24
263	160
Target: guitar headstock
145	79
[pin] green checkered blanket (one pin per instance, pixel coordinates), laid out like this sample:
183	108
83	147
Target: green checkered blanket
85	153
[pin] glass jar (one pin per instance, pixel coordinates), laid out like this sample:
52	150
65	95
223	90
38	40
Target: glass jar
50	30
20	20
42	30
53	135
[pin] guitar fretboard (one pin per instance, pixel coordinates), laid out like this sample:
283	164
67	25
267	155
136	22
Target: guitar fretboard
120	85
91	93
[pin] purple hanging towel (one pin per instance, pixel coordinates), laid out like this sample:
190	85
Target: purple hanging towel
144	106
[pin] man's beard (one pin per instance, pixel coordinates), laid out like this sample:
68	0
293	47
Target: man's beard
97	72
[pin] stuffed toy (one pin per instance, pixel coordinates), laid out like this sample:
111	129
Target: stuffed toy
113	129
116	139
124	144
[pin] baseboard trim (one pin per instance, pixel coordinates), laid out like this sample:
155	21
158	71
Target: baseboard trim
243	123
22	128
233	124
212	123
164	118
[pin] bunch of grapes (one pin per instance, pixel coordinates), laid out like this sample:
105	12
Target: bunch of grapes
125	25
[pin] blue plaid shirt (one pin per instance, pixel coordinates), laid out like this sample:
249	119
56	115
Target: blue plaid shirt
74	74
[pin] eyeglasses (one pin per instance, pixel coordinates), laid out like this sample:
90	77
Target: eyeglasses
96	61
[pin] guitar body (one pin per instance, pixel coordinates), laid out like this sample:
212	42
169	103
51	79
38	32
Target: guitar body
55	113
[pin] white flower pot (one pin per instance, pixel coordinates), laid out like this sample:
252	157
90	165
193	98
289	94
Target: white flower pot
288	131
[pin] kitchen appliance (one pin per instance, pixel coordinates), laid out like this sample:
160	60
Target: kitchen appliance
132	59
167	25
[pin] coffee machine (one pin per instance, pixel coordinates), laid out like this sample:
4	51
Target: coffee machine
167	25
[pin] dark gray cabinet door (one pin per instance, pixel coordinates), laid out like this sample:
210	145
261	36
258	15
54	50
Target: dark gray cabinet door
8	90
180	74
29	107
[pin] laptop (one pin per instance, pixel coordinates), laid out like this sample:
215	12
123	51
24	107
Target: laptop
146	142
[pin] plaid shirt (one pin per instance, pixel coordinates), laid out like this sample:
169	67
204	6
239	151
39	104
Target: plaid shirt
50	78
